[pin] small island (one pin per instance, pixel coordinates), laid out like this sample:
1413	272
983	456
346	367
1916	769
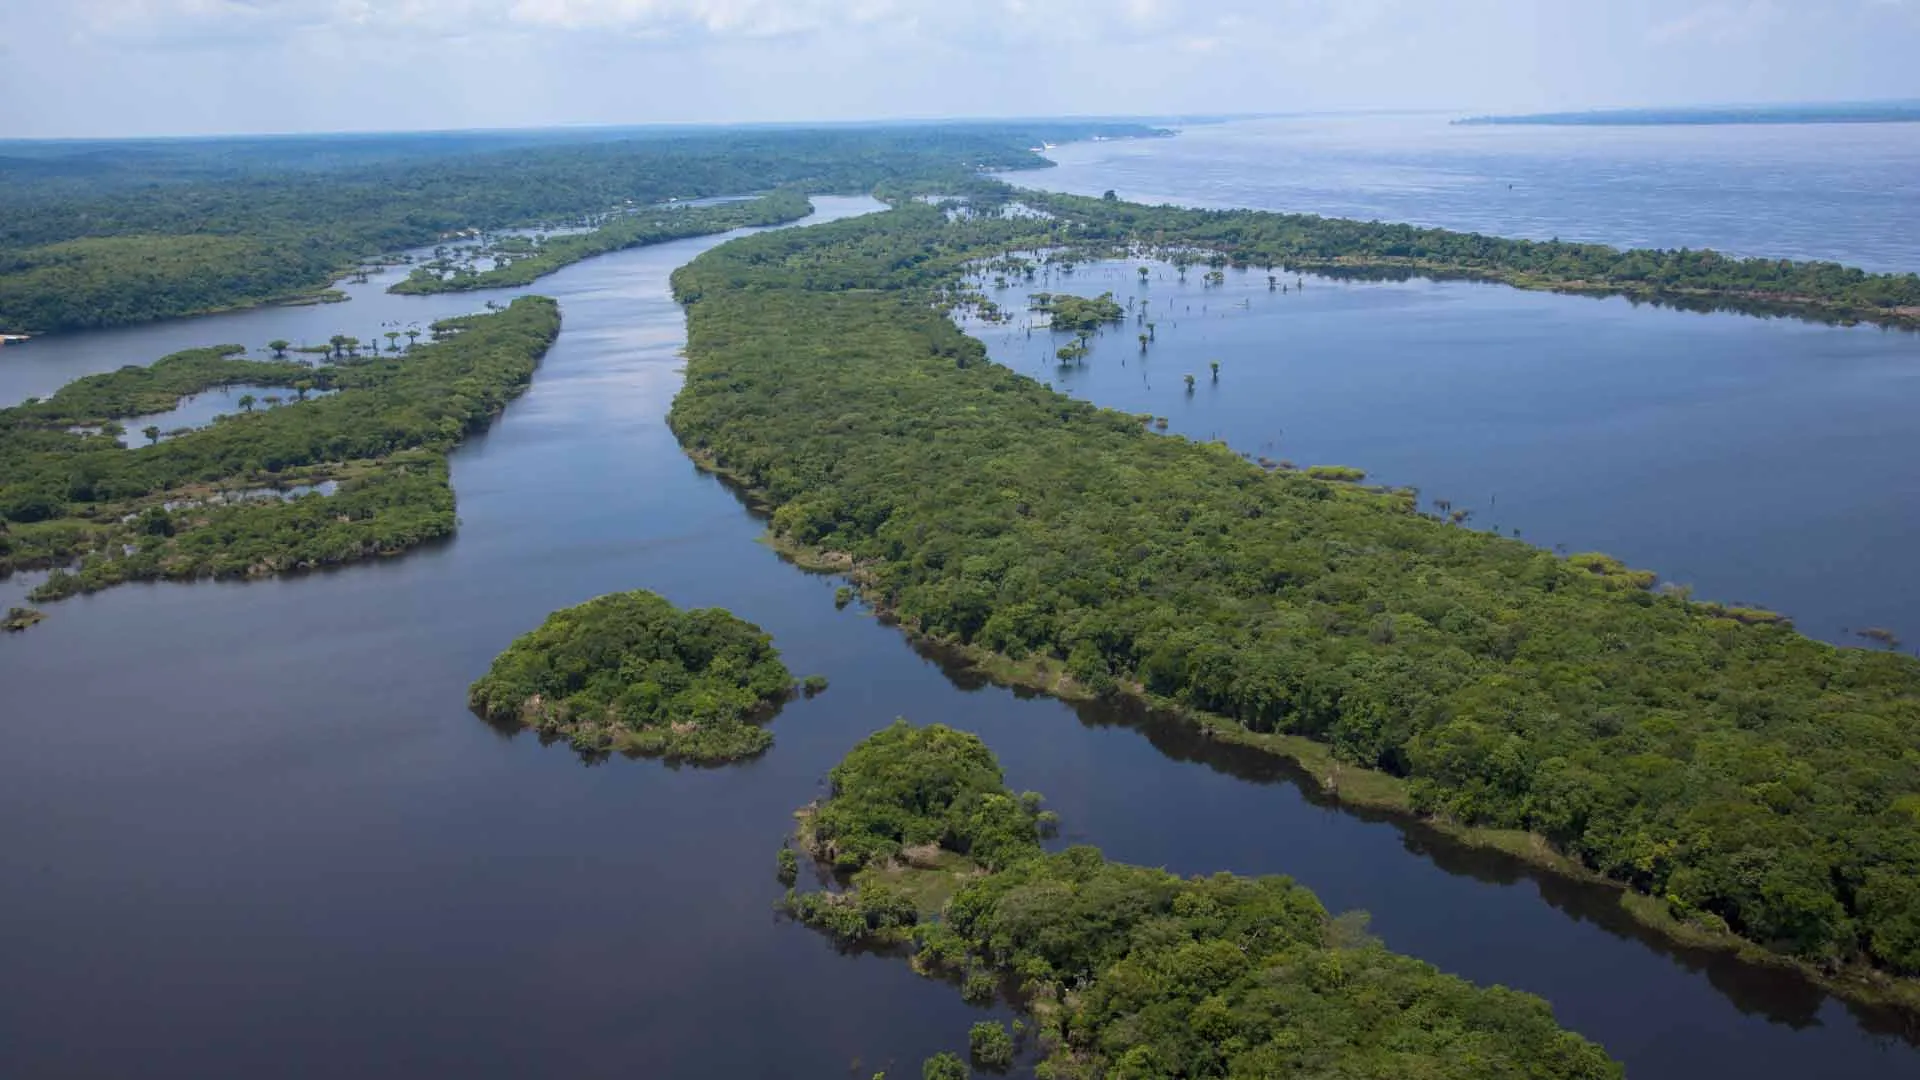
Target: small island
631	672
1078	313
1131	971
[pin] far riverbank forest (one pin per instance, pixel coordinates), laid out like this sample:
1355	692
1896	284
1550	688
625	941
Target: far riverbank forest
238	497
1750	780
1128	971
111	233
539	256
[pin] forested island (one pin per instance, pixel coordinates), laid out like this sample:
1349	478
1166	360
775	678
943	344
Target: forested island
1749	784
1683	277
631	672
1130	971
638	228
96	234
222	501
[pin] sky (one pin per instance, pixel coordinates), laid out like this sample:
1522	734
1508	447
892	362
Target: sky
85	68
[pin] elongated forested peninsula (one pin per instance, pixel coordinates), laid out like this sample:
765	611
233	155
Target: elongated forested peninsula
1757	785
96	234
630	672
1130	971
652	225
1685	278
306	482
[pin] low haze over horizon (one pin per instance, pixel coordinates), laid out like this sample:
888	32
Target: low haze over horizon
189	67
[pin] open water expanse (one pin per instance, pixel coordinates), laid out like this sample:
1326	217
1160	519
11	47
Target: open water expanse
1845	192
251	828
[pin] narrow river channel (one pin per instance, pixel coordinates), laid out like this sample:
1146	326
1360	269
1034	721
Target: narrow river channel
251	828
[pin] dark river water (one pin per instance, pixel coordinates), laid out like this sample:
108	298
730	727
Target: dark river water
252	829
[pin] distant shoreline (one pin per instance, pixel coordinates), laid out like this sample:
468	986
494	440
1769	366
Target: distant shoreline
1877	112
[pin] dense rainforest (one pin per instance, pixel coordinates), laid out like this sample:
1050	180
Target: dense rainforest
1750	779
1310	242
1133	972
654	225
213	501
631	672
107	234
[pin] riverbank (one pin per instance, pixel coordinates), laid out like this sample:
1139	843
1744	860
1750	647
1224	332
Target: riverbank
1130	966
1513	689
1342	782
629	229
358	473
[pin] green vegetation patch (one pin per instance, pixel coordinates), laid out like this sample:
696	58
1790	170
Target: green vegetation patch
633	673
1740	773
1078	313
118	233
209	502
1130	971
524	263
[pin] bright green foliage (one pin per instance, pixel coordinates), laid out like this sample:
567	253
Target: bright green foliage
630	671
1730	766
383	436
908	787
629	230
990	1046
943	1066
1079	313
1219	976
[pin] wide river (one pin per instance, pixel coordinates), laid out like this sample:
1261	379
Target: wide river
252	827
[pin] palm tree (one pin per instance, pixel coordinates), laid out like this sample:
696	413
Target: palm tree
393	340
279	347
302	388
1144	271
1215	365
152	432
246	402
1143	343
413	336
1189	379
339	343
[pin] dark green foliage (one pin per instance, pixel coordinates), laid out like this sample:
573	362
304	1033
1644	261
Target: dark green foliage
1132	972
159	386
1306	241
124	233
383	436
990	1046
629	230
909	787
19	618
1727	765
788	866
630	671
